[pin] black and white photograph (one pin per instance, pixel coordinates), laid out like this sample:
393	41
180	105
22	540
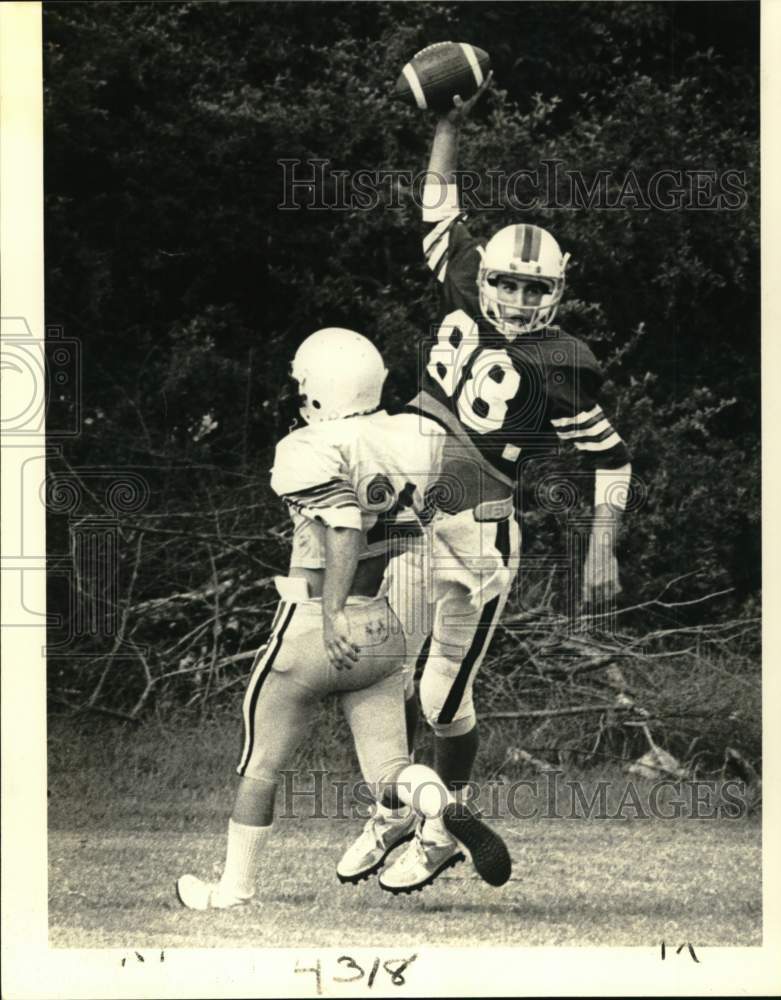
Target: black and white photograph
383	498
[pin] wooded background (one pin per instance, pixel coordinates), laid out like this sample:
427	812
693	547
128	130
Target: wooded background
188	290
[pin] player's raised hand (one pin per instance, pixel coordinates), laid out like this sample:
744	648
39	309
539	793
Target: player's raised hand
342	651
462	109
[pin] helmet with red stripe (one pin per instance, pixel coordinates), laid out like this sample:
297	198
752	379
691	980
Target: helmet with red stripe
521	279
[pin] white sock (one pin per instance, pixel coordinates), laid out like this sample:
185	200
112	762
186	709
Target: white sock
420	787
245	844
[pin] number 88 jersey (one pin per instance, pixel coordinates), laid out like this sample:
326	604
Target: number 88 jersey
506	401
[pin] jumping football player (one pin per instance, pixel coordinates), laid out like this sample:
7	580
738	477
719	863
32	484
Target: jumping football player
352	477
509	386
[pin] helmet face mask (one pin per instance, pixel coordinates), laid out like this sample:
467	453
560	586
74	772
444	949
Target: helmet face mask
523	256
291	402
337	373
514	318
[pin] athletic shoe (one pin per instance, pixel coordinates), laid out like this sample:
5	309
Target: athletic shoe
424	860
420	863
198	895
381	835
489	852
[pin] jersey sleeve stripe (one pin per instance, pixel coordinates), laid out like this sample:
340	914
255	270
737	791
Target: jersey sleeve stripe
581	419
436	255
345	492
591	430
432	237
331	484
434	249
340	501
603	445
436	246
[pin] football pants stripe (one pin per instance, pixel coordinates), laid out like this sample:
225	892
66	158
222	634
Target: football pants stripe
483	632
414	85
456	692
503	540
423	654
263	664
471	58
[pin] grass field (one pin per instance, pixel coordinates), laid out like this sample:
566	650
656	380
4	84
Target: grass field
127	816
580	884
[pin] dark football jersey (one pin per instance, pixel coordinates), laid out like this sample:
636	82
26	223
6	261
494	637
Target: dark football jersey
510	400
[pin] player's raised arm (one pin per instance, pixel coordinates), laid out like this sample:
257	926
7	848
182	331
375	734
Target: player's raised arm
441	208
443	159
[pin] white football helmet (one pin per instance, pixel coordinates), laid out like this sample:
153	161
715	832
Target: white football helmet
528	253
339	374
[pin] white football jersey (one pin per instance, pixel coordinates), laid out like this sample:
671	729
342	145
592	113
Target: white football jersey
369	472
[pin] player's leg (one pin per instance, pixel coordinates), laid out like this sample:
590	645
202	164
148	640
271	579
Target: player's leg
278	712
407	583
464	624
411	711
466	614
376	719
447	681
376	714
391	822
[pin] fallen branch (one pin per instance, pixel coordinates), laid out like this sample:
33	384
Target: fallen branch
547	713
96	708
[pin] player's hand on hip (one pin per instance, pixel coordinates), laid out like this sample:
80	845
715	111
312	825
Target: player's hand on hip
462	109
342	651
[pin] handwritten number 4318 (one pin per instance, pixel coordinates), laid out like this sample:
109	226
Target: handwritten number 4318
395	967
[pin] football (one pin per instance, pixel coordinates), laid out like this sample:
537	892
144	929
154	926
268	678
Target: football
437	73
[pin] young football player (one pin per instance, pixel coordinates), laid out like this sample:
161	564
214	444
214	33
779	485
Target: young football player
509	386
354	479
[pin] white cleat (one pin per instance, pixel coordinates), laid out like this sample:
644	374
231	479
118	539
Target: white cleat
196	894
381	835
419	864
